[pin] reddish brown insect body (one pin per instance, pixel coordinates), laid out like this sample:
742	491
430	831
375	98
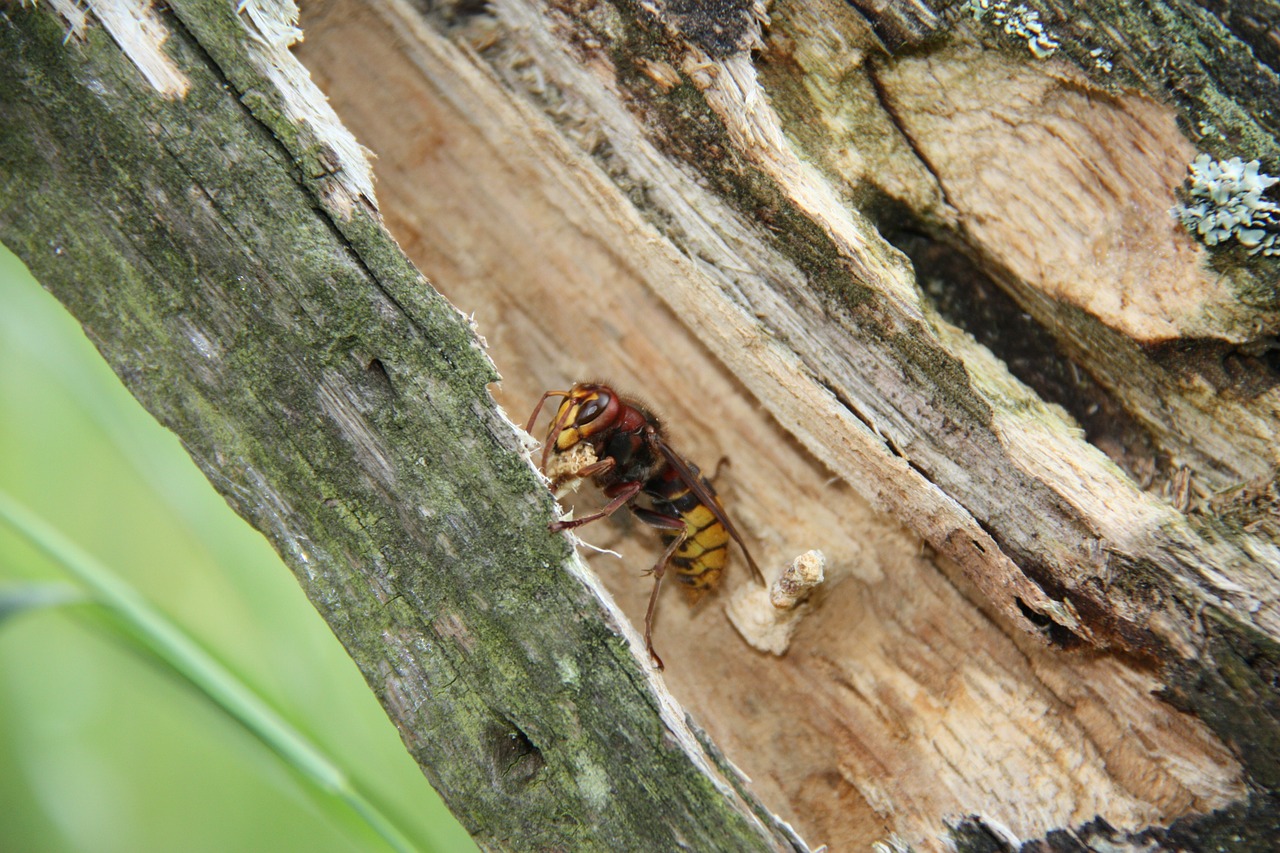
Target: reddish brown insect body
630	457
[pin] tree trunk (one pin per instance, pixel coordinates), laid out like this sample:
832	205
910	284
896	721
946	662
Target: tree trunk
928	251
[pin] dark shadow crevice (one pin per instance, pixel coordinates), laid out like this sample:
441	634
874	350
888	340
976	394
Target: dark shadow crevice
964	295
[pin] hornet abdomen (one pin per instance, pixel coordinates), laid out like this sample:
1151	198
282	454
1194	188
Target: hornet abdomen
701	558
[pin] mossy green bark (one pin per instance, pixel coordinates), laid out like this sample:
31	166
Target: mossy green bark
339	404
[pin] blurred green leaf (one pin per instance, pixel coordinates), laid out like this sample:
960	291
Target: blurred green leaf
168	642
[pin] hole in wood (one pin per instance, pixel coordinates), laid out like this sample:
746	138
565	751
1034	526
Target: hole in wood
516	761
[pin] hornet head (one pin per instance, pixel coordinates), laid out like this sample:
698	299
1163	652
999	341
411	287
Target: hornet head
588	410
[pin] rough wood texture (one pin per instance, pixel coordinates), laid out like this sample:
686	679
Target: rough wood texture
613	196
260	311
696	205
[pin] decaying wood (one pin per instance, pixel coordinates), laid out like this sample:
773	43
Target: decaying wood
571	136
1043	377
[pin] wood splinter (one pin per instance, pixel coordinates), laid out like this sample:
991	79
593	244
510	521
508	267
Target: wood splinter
767	618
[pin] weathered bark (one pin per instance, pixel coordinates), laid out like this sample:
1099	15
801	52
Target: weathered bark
1047	379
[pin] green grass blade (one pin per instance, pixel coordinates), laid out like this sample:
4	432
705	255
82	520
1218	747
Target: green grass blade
19	598
168	642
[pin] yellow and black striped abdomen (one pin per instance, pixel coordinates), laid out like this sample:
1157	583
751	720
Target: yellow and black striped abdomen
701	558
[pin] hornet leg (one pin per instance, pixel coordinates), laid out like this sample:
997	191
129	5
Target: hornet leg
626	492
662	522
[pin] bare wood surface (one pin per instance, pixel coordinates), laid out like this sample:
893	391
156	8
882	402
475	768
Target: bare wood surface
906	702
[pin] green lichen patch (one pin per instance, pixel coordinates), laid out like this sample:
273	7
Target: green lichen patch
1017	20
1227	201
